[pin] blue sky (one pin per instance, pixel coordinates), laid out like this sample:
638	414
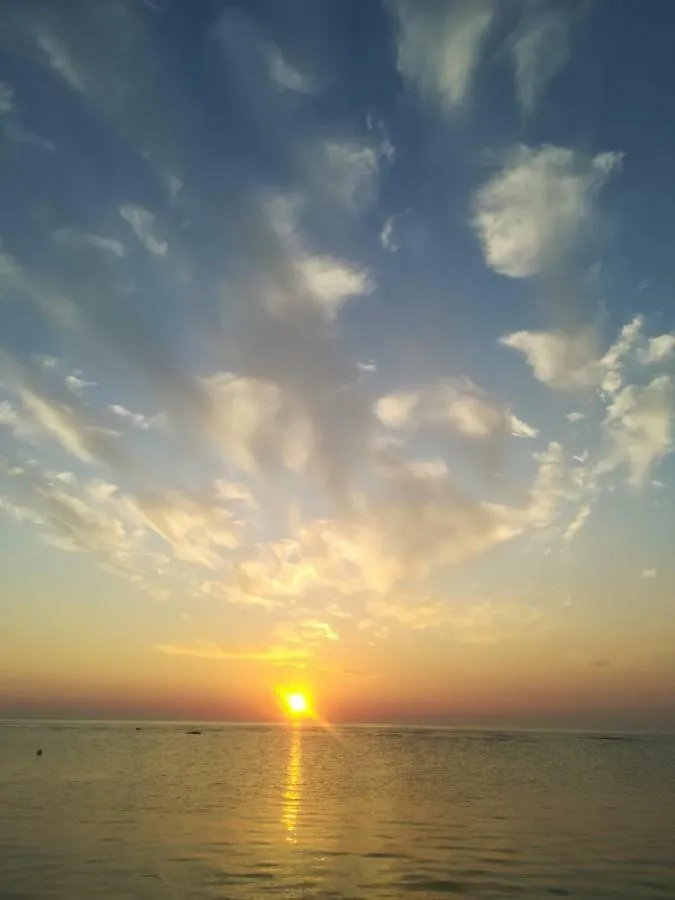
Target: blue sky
336	346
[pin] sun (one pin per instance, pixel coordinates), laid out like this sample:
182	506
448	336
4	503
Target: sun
296	703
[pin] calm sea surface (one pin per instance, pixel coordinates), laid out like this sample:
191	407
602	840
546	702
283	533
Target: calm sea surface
247	812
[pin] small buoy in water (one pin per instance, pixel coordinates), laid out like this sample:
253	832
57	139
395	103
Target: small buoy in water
39	753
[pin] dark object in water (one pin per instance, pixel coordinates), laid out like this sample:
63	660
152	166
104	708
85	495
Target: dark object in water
39	753
193	732
138	729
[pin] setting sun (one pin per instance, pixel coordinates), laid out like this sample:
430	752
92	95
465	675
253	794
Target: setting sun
296	703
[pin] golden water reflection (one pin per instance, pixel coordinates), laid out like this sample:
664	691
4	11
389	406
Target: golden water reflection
293	787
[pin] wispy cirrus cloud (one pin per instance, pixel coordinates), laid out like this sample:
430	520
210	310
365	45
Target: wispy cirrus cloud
143	223
440	45
540	47
275	655
285	75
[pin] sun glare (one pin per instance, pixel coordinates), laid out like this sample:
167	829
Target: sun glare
296	703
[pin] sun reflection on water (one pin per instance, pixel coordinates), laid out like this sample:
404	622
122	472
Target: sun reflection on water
293	789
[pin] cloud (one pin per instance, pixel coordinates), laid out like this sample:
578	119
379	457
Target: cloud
459	405
649	573
331	282
143	223
68	236
482	622
578	522
77	385
319	280
570	360
639	429
20	513
136	419
574	417
120	75
280	571
559	359
310	632
197	528
388	237
440	44
659	349
233	492
286	76
276	655
539	49
10	124
540	206
80	526
521	429
259	424
348	172
64	425
9	416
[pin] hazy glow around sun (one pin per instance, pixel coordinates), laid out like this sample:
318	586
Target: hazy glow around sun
296	703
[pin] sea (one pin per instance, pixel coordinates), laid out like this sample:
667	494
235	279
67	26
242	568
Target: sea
152	811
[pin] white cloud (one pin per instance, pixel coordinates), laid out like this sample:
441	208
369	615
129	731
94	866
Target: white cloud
196	528
258	424
143	224
639	428
20	513
659	349
59	422
570	360
80	526
439	45
331	282
649	573
137	419
8	415
388	237
539	49
322	280
550	488
614	359
460	405
286	76
574	417
349	171
578	521
77	385
538	207
398	410
521	429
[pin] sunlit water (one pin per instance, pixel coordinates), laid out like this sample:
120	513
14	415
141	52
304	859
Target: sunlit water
234	812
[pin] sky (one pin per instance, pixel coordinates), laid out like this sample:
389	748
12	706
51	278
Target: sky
337	348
